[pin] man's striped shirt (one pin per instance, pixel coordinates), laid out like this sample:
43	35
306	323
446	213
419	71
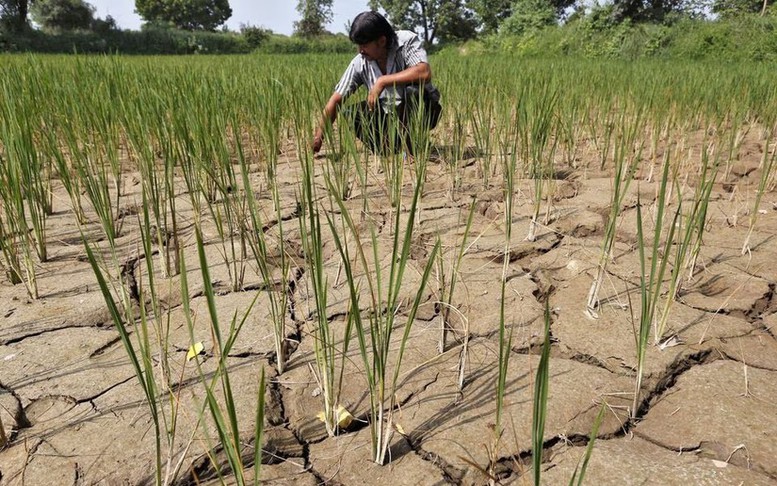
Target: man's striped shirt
407	52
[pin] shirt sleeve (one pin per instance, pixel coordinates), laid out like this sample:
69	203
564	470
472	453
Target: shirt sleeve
413	52
351	79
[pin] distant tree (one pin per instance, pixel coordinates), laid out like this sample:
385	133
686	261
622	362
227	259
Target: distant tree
13	14
491	13
314	15
102	26
730	8
185	14
529	15
434	19
647	10
57	15
456	24
255	36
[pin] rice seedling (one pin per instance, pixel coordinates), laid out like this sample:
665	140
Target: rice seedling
18	247
158	186
535	120
447	282
65	173
383	306
625	163
482	122
579	474
329	369
138	349
767	168
95	177
224	416
509	169
458	133
706	183
540	400
265	261
652	279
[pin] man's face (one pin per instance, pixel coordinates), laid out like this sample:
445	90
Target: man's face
374	50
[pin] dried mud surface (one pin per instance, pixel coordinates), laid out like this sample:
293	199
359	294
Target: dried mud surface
75	413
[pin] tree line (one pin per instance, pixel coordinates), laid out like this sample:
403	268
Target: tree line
439	22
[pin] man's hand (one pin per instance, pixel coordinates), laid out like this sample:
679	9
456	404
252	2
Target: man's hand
374	96
318	141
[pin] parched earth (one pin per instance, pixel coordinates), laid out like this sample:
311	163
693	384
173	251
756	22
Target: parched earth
76	414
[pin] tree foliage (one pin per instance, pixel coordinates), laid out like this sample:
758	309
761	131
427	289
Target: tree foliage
185	14
13	14
434	19
63	15
731	8
314	15
491	13
529	15
647	10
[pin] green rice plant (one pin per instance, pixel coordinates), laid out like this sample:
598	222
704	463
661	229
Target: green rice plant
16	241
458	141
482	123
447	281
689	231
65	173
224	417
95	181
21	151
330	361
9	248
270	113
651	280
161	316
540	400
264	260
383	304
535	122
571	131
626	162
139	352
227	206
703	192
509	169
579	474
157	186
767	169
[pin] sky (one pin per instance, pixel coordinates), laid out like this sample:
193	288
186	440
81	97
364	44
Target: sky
277	15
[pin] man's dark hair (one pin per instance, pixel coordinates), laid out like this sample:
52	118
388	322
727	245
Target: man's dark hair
369	26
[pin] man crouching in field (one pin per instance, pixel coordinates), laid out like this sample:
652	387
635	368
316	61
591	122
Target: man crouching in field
394	68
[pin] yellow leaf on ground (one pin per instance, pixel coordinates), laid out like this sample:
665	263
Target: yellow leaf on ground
344	417
194	350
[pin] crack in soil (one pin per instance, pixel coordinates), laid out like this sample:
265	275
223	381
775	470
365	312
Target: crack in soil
728	357
19	339
450	473
129	280
102	349
99	394
22	422
760	306
701	448
677	368
583	358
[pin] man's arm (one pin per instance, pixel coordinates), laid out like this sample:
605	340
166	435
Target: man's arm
420	72
328	117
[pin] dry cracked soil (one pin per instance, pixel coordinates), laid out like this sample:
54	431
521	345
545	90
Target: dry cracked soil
75	413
